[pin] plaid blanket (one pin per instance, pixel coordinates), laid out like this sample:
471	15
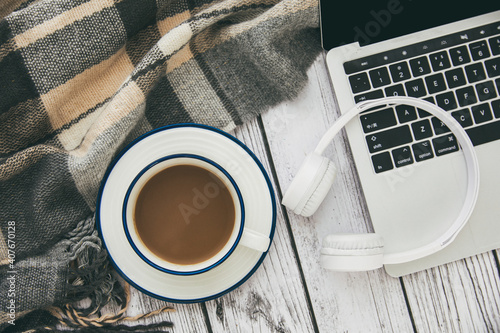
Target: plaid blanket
80	79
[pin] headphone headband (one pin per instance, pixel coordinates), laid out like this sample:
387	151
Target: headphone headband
304	197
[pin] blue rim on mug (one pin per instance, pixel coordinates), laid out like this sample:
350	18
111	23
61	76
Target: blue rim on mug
144	257
138	285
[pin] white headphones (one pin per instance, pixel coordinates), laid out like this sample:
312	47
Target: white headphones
360	252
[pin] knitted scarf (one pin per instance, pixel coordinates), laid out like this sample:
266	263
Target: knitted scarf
79	79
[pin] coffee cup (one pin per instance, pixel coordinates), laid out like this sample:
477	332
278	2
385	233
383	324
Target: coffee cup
184	214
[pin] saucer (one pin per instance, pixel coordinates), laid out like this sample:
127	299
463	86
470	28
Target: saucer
211	143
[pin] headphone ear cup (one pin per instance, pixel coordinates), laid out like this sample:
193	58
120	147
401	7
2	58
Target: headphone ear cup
311	185
352	252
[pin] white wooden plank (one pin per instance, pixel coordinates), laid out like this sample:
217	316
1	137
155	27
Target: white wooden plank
186	317
354	302
273	299
463	296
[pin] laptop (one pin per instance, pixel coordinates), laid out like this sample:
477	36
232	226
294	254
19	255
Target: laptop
412	172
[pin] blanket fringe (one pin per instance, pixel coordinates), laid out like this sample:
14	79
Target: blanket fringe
71	317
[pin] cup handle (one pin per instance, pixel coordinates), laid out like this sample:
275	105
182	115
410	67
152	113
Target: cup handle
255	240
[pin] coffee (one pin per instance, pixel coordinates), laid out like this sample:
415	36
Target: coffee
184	214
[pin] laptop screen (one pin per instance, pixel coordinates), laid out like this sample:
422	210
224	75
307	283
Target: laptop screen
371	21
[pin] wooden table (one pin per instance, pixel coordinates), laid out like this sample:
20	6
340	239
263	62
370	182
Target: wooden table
290	292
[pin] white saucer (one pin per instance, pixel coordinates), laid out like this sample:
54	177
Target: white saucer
233	156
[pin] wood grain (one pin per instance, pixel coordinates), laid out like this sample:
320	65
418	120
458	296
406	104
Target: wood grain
186	317
273	299
462	296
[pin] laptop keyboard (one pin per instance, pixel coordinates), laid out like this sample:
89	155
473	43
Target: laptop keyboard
458	72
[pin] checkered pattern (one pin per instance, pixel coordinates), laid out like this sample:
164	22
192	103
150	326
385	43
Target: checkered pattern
80	79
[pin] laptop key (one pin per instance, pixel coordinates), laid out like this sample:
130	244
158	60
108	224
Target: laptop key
359	83
486	91
455	78
420	66
493	67
369	95
481	113
463	117
446	101
440	61
475	72
495	45
421	112
445	144
380	77
406	113
485	133
389	139
422	151
479	50
378	120
435	83
466	96
495	105
382	162
415	88
402	156
400	71
397	90
459	55
422	129
439	126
